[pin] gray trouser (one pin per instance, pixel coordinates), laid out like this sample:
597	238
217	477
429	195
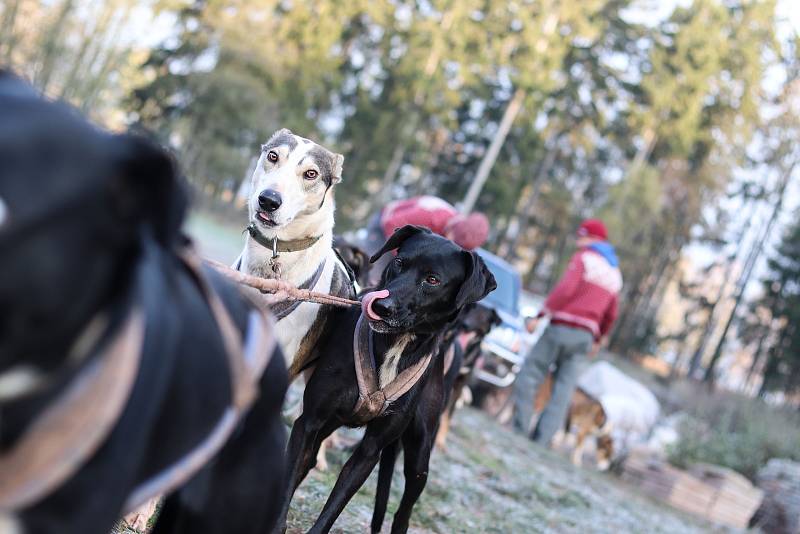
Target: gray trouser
567	347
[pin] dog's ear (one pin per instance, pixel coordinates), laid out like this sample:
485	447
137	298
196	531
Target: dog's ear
397	239
360	261
149	187
280	133
495	319
336	175
478	283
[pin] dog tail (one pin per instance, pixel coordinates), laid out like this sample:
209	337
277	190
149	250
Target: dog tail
385	472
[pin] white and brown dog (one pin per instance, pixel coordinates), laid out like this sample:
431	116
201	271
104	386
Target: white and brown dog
290	235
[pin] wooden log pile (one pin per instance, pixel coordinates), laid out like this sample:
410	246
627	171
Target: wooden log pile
714	493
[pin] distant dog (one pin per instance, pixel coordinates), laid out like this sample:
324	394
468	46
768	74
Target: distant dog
121	370
392	344
586	418
476	322
290	236
354	257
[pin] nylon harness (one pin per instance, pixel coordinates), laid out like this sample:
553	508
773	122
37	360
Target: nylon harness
373	400
73	427
284	308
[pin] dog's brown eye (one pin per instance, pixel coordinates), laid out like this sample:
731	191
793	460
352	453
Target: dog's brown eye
272	156
432	280
398	262
310	174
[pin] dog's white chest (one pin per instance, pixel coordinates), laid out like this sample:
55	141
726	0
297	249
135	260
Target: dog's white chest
388	370
293	328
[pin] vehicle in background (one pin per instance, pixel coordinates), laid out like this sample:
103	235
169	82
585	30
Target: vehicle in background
505	346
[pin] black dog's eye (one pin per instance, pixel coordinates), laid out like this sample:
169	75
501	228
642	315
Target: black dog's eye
432	280
310	174
272	156
398	263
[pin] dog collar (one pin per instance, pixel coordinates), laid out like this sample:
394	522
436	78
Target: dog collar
279	245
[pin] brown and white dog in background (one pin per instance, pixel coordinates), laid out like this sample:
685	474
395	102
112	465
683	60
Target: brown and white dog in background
586	418
291	200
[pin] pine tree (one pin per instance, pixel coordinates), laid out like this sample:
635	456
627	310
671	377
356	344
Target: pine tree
782	295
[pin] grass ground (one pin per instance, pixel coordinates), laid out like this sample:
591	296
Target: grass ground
489	479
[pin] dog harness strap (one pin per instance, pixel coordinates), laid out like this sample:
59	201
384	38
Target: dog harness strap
372	399
245	374
280	245
284	308
405	380
247	360
258	349
243	391
365	368
71	429
449	356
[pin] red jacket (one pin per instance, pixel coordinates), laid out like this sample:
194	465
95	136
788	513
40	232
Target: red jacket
428	211
586	296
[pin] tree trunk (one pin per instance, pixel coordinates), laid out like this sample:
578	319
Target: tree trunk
744	278
485	167
708	328
759	353
50	52
527	203
8	39
90	37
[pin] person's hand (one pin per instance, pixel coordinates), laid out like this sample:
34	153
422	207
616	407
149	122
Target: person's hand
596	346
531	323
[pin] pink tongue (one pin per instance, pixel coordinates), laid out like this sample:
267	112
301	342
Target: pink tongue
369	298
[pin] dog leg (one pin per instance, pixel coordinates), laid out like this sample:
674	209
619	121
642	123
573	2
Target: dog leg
357	469
304	443
417	446
321	461
444	428
577	452
385	472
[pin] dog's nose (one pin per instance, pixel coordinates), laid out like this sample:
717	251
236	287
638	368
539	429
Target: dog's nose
384	308
269	200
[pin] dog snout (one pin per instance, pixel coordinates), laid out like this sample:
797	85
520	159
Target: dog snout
269	200
384	308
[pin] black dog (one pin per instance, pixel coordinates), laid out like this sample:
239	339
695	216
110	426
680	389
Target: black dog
353	257
421	294
472	327
89	224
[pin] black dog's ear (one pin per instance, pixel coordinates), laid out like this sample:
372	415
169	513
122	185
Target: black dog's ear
478	283
150	187
496	320
397	238
361	259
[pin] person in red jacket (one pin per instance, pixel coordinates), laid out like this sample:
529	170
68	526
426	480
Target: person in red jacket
467	231
582	308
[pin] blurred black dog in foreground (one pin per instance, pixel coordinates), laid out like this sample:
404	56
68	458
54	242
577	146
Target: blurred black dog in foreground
121	362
